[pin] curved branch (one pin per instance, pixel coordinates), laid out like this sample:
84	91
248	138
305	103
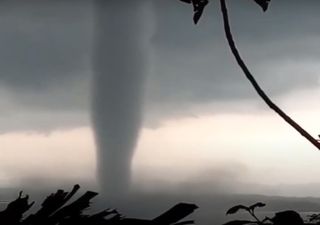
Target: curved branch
255	84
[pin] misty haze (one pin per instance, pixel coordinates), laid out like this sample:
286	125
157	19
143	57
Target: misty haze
132	100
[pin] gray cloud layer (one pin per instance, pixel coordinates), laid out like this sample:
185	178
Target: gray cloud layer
46	53
197	60
45	60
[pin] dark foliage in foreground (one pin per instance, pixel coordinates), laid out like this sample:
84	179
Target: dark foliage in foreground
288	217
56	210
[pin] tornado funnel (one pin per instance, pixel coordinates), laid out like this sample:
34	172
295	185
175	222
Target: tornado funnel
120	67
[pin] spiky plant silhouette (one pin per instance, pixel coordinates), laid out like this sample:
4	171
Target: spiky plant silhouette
251	211
198	8
56	209
288	217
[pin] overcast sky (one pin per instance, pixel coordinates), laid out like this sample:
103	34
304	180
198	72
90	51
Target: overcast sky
202	120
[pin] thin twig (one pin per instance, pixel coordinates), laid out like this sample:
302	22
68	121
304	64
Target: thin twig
255	84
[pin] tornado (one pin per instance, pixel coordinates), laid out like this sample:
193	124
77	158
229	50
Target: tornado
122	36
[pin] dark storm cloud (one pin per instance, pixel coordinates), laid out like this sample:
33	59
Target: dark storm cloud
46	51
194	63
44	43
45	56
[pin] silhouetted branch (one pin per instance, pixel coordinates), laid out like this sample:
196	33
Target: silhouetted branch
176	213
255	84
54	211
288	217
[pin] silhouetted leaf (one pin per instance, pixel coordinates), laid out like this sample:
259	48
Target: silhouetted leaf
236	208
196	16
239	222
175	214
263	4
198	7
288	217
257	205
